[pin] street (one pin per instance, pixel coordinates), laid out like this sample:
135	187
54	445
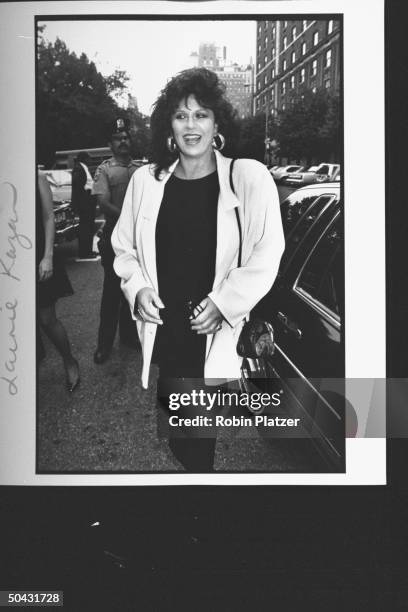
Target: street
109	422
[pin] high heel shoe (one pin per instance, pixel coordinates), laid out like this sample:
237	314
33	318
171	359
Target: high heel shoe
73	384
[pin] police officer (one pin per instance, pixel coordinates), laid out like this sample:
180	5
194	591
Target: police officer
110	184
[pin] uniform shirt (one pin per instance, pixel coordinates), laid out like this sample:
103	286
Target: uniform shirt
112	178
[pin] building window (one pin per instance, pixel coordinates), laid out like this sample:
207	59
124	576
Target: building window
283	88
285	24
283	106
265	79
259	29
293	57
292	82
302	75
265	59
304	24
259	48
259	65
314	89
273	32
293	32
285	42
330	26
273	52
327	83
303	48
266	40
259	84
284	65
273	73
328	59
314	67
315	38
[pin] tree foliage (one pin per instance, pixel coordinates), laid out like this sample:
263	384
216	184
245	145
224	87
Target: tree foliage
251	141
75	102
310	127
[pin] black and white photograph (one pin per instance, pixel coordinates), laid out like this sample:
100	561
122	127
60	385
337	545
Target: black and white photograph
196	290
197	248
194	270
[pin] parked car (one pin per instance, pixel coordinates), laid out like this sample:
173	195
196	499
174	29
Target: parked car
61	184
305	307
297	177
315	174
281	173
66	223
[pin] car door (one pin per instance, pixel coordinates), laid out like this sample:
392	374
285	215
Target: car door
308	305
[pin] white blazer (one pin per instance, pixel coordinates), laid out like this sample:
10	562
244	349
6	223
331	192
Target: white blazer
235	290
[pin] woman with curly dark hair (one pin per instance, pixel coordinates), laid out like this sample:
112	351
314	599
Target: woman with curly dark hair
177	243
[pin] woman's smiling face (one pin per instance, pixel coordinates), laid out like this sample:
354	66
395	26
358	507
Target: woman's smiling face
193	128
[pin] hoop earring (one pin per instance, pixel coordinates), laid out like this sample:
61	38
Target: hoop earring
171	144
218	142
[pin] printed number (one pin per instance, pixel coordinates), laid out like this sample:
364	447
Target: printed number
33	598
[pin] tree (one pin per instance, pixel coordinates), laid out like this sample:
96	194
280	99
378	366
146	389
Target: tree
251	138
75	102
310	128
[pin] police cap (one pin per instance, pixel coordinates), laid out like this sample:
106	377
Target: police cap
117	126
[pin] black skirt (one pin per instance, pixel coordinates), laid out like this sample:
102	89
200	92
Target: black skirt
55	287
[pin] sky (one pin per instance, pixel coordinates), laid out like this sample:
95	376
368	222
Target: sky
151	51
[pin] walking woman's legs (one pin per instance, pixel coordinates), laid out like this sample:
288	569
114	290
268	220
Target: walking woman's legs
193	447
57	334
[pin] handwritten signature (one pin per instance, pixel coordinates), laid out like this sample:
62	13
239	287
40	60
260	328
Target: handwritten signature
8	260
14	240
10	363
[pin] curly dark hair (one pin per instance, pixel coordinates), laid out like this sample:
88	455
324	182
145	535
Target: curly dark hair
209	92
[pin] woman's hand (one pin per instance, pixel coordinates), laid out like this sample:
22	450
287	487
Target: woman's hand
207	318
148	303
45	269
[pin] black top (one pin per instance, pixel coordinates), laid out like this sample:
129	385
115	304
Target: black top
59	284
186	241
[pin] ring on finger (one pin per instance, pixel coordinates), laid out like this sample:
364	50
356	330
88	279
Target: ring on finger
199	308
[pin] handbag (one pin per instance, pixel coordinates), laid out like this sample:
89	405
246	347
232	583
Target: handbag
256	338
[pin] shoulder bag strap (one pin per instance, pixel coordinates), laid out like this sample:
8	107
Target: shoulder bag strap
237	215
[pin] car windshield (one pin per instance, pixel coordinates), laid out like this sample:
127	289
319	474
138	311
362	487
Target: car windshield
323	169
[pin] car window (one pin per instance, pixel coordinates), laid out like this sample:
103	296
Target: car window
299	216
292	210
293	168
300	221
322	278
323	169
